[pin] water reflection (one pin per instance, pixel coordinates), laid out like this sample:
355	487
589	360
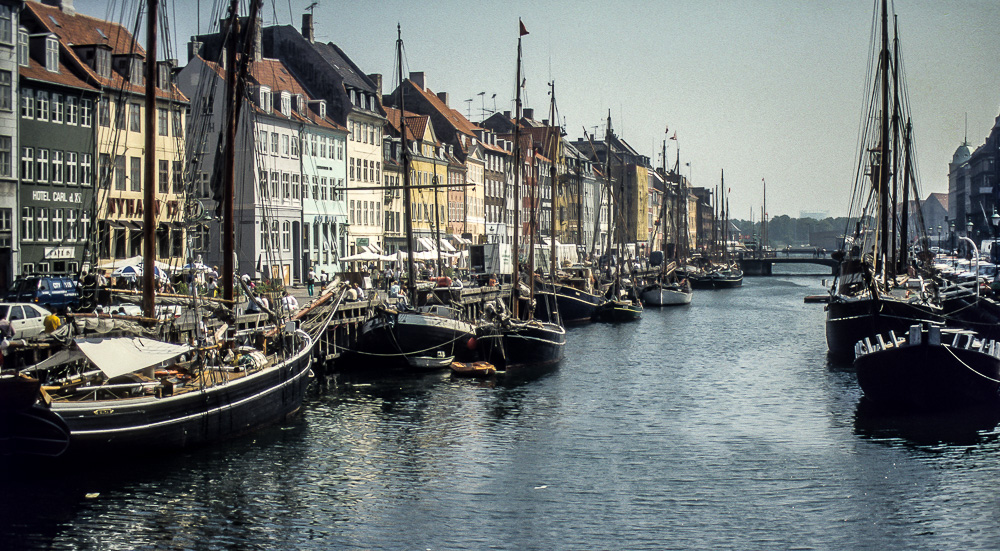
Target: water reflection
961	427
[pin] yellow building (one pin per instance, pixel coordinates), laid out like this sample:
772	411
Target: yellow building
110	58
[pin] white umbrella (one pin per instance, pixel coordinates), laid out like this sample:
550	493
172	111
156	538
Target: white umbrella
366	255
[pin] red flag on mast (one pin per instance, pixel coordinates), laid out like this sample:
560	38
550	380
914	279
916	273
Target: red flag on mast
666	130
674	137
523	30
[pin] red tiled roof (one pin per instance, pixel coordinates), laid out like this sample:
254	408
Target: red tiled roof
83	30
65	77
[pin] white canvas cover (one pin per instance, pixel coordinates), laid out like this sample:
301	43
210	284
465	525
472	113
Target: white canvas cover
121	355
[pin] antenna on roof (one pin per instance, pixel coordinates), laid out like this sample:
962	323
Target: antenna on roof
469	107
312	7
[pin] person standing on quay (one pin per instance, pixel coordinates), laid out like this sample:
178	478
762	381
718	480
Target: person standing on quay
311	281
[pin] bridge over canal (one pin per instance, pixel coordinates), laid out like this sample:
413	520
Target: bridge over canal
764	266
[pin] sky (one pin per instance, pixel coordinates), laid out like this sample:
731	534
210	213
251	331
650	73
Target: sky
765	90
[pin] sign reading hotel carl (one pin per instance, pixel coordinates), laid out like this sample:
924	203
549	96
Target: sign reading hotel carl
57	196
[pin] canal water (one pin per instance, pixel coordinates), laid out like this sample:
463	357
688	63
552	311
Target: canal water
718	425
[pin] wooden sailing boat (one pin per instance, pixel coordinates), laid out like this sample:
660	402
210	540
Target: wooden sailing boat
721	272
622	304
667	289
413	335
874	291
509	341
569	297
135	395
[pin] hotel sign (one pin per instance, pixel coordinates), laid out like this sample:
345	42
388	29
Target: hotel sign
59	253
57	196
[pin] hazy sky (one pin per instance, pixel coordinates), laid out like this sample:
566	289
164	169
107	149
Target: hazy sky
763	89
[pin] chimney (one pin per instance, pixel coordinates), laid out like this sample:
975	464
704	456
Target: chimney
528	113
66	6
506	114
443	96
545	122
194	49
377	79
307	27
417	78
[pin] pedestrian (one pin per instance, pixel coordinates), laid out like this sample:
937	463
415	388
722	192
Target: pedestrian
51	322
289	302
310	281
213	287
360	291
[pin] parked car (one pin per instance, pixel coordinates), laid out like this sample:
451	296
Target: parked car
51	292
26	319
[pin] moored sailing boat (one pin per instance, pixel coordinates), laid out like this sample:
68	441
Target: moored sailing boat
667	289
507	340
406	336
874	291
136	394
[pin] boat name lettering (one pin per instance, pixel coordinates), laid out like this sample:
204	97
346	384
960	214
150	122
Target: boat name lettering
103	411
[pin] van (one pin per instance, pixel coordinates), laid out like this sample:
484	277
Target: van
50	292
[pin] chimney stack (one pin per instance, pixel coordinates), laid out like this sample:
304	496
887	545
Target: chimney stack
377	79
528	113
417	78
194	49
443	96
66	6
506	114
307	27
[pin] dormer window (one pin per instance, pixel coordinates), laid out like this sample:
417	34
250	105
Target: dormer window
52	54
354	98
286	104
322	109
265	99
300	105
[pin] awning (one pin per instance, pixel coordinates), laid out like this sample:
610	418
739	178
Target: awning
459	239
121	355
447	247
426	243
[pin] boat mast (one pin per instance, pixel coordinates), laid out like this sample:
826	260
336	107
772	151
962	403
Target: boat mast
437	210
235	86
611	201
663	211
149	192
405	158
554	137
883	168
518	166
893	266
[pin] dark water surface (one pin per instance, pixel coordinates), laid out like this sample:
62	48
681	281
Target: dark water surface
719	425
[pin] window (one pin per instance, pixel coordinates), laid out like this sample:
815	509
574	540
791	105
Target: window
274	235
178	177
275	185
286	191
322	146
85	173
6	91
84	226
322	188
352	167
105	112
6	25
28	223
176	243
42	106
27	104
72	111
135	173
57	108
163	181
56	225
120	172
162	122
6	154
263	183
71	168
285	147
295	146
42	165
351	211
71	227
42	225
22	48
264	239
274	143
134	117
57	167
295	186
52	54
286	235
86	113
315	187
178	124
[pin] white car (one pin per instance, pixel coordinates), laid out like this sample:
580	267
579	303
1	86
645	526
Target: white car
26	319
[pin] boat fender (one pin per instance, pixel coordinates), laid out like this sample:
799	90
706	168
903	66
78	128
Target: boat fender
471	343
